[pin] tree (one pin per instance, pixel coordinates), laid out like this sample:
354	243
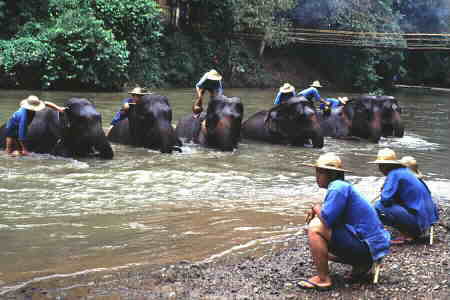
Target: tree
264	17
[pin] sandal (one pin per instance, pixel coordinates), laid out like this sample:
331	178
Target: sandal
401	240
309	285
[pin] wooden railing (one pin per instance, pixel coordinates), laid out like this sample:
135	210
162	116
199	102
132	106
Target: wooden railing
407	41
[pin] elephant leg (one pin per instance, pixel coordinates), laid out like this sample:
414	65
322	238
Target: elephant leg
104	148
317	140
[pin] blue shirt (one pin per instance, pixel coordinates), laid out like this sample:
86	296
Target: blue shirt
18	124
214	85
333	102
344	205
310	93
402	187
282	97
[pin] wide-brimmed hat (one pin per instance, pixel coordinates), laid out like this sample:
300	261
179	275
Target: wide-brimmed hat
328	161
32	103
316	83
213	75
139	91
343	100
411	163
386	156
287	88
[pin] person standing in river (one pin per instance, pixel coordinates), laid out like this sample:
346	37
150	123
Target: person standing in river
211	81
136	96
405	202
345	228
17	125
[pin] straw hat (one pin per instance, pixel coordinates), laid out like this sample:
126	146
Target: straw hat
316	84
328	161
411	163
287	88
213	75
386	156
32	103
343	100
139	91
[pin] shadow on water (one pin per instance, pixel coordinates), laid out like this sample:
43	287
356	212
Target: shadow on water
62	216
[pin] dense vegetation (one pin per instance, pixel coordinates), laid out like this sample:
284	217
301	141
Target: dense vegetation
105	44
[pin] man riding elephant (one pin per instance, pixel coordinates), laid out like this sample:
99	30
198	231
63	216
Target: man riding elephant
219	127
294	122
148	124
76	132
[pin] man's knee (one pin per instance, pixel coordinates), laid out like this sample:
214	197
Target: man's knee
317	227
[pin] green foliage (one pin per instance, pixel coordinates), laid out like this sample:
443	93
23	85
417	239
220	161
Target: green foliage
138	23
261	16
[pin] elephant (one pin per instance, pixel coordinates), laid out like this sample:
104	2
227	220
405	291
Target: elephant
148	124
335	122
76	132
219	127
374	116
294	122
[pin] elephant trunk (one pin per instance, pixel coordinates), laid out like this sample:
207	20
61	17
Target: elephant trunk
104	148
397	125
166	136
226	133
375	127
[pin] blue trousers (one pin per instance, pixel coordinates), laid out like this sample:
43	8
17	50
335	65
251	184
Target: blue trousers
349	248
398	217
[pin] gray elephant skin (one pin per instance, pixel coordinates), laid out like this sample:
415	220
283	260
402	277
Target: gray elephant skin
219	127
294	122
148	125
76	132
367	117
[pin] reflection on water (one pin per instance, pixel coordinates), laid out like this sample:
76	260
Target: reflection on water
60	216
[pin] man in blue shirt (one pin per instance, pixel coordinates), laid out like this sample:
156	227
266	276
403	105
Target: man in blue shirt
136	96
286	91
17	125
312	92
211	81
330	103
405	202
345	228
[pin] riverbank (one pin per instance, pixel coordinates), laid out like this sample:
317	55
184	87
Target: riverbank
416	271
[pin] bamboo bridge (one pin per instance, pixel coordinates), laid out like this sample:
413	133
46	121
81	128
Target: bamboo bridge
332	38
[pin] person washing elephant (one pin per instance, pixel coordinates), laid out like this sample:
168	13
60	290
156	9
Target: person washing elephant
312	92
330	103
136	96
285	92
345	228
17	125
211	81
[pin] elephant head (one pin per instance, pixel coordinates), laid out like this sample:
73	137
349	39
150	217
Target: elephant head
223	122
81	132
150	124
374	116
294	122
391	122
336	122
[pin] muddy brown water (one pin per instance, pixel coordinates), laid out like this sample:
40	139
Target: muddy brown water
61	217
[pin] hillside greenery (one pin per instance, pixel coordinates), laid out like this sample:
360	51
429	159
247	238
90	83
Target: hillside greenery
108	44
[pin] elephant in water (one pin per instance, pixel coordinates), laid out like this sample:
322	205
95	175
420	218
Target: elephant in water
219	127
294	122
77	132
367	117
148	125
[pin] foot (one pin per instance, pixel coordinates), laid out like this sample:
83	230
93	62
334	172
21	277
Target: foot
359	273
402	240
315	283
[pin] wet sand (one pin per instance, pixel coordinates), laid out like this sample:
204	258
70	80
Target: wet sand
414	271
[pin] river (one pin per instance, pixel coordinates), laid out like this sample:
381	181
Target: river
63	216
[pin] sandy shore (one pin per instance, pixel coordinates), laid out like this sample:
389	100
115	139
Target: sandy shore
415	271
